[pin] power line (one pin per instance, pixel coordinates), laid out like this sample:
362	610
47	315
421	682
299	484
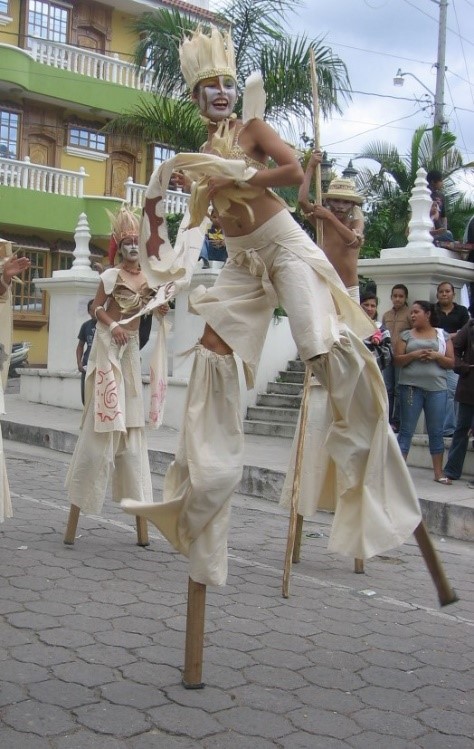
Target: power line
372	129
456	115
453	31
462	50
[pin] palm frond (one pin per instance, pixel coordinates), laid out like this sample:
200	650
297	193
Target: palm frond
160	34
172	122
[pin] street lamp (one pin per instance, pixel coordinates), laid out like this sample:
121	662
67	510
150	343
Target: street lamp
326	172
438	105
350	172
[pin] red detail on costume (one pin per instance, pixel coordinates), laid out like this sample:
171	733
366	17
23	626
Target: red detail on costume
107	396
154	241
113	247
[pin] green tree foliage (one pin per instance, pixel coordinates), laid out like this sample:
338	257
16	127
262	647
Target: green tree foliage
388	189
261	43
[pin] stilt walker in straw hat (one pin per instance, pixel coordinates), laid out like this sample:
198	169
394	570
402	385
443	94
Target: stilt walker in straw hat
343	223
112	440
271	261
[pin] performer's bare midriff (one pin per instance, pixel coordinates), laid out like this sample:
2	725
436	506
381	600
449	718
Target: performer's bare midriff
260	143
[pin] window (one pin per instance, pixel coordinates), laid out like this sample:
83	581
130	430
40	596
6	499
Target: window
9	130
26	298
4	7
62	260
80	137
47	21
161	153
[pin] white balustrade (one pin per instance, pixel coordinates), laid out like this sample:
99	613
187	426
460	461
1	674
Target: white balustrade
41	178
175	200
91	64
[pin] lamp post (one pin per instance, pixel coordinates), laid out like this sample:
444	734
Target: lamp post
350	172
326	172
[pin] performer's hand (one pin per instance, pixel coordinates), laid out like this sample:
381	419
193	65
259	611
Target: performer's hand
315	158
120	335
163	309
320	212
13	266
216	184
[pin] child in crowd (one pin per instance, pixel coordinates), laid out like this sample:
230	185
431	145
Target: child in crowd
395	320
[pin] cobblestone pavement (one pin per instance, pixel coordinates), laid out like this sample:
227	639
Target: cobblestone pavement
92	636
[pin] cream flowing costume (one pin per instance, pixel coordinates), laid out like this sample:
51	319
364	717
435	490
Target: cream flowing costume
6	341
356	457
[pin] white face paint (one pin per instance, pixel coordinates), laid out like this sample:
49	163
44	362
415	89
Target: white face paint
339	207
216	97
129	248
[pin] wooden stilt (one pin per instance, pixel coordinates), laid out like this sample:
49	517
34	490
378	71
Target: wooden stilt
446	594
192	676
298	535
70	534
359	566
142	531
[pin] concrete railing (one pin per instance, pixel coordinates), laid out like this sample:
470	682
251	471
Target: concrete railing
28	176
91	64
175	201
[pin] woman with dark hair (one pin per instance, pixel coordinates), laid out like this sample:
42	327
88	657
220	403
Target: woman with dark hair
424	353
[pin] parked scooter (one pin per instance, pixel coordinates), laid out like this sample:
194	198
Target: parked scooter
19	357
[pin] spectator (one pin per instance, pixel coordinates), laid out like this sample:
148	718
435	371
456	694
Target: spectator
423	354
395	320
451	317
463	344
379	342
213	247
440	231
86	336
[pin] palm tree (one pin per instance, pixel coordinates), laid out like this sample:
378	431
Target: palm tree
261	43
388	189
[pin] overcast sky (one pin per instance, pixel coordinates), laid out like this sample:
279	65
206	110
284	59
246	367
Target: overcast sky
375	38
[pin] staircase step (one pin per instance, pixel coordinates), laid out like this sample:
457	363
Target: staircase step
296	365
276	400
288	376
260	413
269	429
285	388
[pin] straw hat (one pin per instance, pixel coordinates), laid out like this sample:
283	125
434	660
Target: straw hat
343	189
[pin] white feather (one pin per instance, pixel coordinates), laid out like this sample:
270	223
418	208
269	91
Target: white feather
254	98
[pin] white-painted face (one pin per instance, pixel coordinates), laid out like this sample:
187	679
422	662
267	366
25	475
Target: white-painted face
129	248
339	207
216	97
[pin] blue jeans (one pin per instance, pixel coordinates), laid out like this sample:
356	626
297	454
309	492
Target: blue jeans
412	401
457	451
390	377
451	405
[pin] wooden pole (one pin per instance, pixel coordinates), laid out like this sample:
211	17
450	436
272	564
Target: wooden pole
142	531
446	593
295	527
70	534
192	676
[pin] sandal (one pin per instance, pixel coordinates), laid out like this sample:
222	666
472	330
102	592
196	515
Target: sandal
444	480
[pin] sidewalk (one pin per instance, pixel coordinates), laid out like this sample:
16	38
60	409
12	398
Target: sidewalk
448	510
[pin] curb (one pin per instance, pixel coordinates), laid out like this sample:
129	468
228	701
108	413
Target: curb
441	518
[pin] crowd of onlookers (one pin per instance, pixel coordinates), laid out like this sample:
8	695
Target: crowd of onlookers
430	369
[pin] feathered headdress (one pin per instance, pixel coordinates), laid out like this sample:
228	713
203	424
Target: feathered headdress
206	56
124	223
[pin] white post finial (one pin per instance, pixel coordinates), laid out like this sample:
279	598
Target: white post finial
82	237
420	203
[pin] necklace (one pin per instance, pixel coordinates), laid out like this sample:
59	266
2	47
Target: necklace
132	271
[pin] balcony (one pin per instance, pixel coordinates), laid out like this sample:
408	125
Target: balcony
41	178
175	200
44	198
91	64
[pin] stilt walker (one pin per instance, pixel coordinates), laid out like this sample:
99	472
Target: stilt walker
271	261
112	441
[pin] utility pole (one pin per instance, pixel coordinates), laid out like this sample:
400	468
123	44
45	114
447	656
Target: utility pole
440	64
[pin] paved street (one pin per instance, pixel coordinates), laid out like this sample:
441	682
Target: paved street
93	636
